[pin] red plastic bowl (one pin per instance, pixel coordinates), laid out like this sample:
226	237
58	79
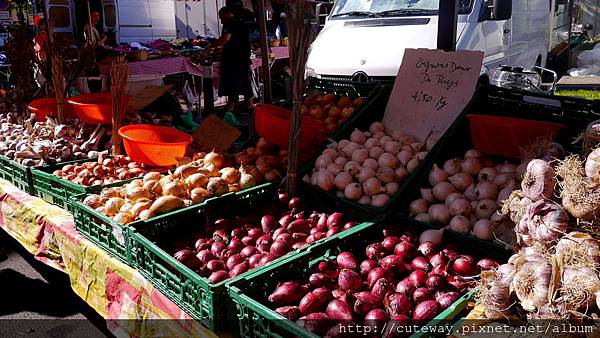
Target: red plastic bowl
507	136
94	108
273	123
47	107
155	146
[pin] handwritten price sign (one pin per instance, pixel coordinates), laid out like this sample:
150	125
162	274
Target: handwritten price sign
432	88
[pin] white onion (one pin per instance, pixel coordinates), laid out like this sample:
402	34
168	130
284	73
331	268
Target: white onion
422	155
334	168
460	207
372	186
397	135
387	160
386	175
423	218
483	230
404	156
419	206
365	174
372	142
342	144
461	181
365	200
417	147
392	188
486	191
341	160
323	161
371	163
375	127
353	191
325	180
378	135
442	190
376	152
353	168
501	180
360	155
358	136
439	214
433	236
460	224
487	174
471	166
470	193
430	143
452	166
427	194
332	153
412	165
401	174
507	168
437	175
472	153
392	147
342	180
385	140
453	197
485	209
351	148
380	201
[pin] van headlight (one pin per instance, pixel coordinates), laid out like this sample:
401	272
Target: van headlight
309	72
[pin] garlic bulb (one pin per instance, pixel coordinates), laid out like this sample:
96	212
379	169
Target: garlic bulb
592	165
538	182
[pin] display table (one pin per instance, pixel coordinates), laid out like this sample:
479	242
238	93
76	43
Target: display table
116	291
166	66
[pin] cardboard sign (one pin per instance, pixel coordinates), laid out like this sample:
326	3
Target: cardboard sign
214	133
147	95
432	88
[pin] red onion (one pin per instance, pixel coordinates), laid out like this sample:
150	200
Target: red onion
298	246
285	220
391	329
349	280
318	280
397	304
290	312
446	299
295	203
332	231
439	259
382	288
278	232
219	235
376	317
216	265
346	260
375	251
298	225
217	247
286	237
367	265
350	225
239	269
450	253
247	240
248	251
234	260
283	198
420	263
299	237
322	222
406	250
377	274
342	329
238	233
457	282
339	310
235	245
422	294
201	244
428	249
406	287
317	236
409	237
465	266
263	243
266	259
418	278
268	224
314	301
218	276
389	243
365	302
318	323
486	264
327	265
255	232
254	260
389	230
436	282
188	258
335	220
393	263
426	310
287	293
205	256
337	293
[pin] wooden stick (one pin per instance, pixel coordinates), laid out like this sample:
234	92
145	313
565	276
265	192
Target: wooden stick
119	73
58	83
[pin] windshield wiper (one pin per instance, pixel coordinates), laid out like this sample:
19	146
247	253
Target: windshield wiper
410	11
357	13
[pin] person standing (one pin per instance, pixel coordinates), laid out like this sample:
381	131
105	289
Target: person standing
235	58
90	34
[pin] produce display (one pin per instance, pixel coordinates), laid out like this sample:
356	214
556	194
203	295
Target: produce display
243	243
369	167
103	171
207	176
404	278
554	273
330	109
269	159
464	195
40	143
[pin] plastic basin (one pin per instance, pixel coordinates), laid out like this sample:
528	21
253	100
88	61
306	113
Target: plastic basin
47	107
507	136
94	108
273	123
155	146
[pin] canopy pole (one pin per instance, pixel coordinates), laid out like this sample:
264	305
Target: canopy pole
447	22
264	52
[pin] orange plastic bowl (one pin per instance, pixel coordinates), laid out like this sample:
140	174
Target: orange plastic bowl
47	107
273	123
95	108
155	146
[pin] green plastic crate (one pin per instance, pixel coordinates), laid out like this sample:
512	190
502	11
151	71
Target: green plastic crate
112	236
362	121
257	319
17	174
205	302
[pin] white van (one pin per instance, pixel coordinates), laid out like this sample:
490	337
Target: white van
128	20
364	40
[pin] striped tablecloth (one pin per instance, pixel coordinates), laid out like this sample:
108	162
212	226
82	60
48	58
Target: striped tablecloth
128	302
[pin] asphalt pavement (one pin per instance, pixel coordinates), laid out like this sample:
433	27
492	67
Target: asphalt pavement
36	300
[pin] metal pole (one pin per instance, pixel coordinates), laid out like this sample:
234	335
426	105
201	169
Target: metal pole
187	24
264	52
447	21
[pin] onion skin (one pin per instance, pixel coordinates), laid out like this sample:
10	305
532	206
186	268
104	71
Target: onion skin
288	293
397	304
377	274
375	251
465	266
319	280
218	276
315	300
367	265
382	288
426	310
446	299
339	310
393	263
486	264
406	287
406	250
365	302
420	263
418	278
346	260
317	323
290	312
349	280
422	294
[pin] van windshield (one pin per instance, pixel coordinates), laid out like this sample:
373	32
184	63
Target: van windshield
379	8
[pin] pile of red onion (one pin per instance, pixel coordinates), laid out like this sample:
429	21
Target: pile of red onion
243	243
396	279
